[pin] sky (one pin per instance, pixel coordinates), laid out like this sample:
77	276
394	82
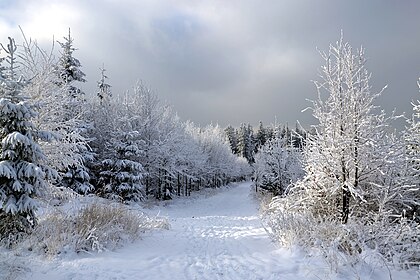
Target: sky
228	62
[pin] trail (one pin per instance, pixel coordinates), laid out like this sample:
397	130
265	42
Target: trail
216	237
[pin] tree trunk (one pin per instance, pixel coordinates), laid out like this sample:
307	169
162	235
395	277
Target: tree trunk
178	185
346	205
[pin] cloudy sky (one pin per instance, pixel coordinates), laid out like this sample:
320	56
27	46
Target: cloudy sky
228	61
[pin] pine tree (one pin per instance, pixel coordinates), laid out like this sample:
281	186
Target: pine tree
121	176
104	89
261	137
232	138
118	173
76	175
22	177
68	68
246	142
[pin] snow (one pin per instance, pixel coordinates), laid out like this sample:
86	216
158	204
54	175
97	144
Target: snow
214	235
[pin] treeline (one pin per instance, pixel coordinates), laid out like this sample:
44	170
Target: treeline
246	142
125	147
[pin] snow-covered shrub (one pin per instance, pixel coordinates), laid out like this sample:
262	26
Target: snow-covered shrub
95	228
105	227
395	242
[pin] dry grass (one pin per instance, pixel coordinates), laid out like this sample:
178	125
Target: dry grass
95	228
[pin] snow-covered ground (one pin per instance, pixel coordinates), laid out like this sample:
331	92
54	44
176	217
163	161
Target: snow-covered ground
215	235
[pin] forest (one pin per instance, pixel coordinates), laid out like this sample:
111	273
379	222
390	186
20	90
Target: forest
347	185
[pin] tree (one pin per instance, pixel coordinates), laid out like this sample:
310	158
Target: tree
277	166
246	142
343	165
412	144
232	137
121	175
22	175
104	89
222	165
59	113
353	197
68	68
261	137
74	175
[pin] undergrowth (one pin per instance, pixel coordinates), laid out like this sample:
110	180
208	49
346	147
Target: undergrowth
95	228
373	240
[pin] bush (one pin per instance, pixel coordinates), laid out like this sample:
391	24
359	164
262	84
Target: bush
95	228
373	238
13	228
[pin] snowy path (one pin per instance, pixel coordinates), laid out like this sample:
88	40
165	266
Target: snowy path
215	237
218	237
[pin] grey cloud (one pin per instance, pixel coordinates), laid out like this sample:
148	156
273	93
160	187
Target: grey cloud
240	61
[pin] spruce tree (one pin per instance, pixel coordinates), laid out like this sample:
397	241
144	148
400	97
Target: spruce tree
232	138
75	176
246	142
121	175
22	177
104	89
68	68
261	137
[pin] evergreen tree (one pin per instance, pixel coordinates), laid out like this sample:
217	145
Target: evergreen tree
261	137
68	68
117	173
246	142
75	176
104	89
61	114
22	177
121	176
232	138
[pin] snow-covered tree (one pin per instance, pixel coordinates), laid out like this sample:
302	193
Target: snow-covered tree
59	113
232	137
222	164
352	198
104	89
155	124
68	68
22	175
121	175
277	166
73	134
412	140
246	142
261	137
342	161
